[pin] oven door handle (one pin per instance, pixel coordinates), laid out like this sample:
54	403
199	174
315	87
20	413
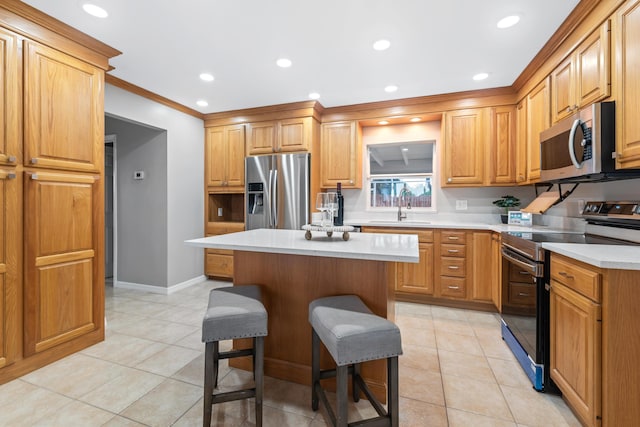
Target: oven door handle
532	267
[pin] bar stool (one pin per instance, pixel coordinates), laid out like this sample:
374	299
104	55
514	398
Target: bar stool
353	334
233	312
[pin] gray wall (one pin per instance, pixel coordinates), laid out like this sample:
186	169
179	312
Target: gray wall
141	204
184	184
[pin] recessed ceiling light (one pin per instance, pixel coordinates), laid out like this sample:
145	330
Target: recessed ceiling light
382	44
508	21
284	63
202	103
391	88
94	10
480	76
314	95
206	77
383	122
415	119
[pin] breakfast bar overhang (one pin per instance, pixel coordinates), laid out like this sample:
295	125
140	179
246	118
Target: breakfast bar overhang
294	271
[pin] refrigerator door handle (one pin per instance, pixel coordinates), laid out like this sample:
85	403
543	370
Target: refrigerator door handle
269	204
274	199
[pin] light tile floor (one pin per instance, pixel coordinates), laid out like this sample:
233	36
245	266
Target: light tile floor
455	371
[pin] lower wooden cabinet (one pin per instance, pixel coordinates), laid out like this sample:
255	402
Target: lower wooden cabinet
9	249
64	279
218	262
417	278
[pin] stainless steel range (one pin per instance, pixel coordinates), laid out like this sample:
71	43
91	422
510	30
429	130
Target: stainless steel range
525	280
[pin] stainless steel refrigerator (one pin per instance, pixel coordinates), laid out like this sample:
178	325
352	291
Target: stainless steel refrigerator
277	191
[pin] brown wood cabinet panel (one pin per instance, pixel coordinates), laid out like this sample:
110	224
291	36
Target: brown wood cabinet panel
218	265
64	277
224	158
341	155
261	137
456	267
63	111
10	104
453	250
295	134
501	152
521	142
452	236
417	278
627	54
9	263
463	153
481	287
538	119
455	287
578	277
575	345
563	96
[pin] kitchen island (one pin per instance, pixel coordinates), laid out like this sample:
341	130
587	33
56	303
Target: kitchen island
294	271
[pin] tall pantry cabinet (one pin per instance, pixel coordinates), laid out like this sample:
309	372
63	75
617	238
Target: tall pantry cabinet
51	189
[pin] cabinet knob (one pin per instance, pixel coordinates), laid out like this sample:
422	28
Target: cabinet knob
565	275
11	159
449	180
568	109
351	181
34	160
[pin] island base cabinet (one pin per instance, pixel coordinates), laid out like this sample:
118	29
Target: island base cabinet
289	283
575	343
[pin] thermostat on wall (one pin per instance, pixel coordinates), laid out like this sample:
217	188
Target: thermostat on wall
138	175
520	218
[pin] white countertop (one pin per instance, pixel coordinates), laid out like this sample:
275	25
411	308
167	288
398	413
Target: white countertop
453	224
366	246
617	257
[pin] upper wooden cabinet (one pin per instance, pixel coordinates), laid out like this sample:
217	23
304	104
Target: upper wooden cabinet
341	155
463	153
501	153
287	135
63	258
583	77
479	147
10	104
63	110
224	158
627	64
521	142
538	119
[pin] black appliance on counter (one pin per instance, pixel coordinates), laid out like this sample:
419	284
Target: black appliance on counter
525	281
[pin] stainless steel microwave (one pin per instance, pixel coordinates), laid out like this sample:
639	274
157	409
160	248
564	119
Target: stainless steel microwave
580	147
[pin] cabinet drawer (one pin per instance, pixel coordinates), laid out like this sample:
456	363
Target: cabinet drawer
219	252
453	287
517	274
448	249
522	294
576	276
452	267
224	227
219	265
453	237
424	236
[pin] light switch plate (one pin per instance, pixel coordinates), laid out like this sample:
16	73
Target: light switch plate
461	205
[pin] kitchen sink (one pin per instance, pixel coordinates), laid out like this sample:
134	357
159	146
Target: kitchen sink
408	222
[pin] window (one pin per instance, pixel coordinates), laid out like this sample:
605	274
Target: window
401	173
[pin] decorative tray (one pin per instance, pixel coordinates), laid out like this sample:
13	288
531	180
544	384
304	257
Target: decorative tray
344	229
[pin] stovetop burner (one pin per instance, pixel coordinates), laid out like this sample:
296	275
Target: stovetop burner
591	239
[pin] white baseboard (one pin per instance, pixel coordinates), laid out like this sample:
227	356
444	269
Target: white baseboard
158	289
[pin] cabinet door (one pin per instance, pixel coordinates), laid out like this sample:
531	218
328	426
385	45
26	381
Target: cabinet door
464	147
10	107
538	119
295	134
340	155
593	58
521	142
417	278
215	157
563	96
502	146
575	345
9	259
627	34
261	137
496	271
64	269
482	285
234	159
63	103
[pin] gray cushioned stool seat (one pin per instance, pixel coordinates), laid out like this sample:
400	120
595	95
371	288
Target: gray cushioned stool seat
351	332
234	312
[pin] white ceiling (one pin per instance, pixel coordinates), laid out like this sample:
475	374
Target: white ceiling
436	46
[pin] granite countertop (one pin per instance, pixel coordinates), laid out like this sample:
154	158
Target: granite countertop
366	246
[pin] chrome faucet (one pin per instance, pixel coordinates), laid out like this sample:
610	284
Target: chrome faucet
401	197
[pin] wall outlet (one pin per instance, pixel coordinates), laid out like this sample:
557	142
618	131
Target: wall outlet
219	211
138	175
461	205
